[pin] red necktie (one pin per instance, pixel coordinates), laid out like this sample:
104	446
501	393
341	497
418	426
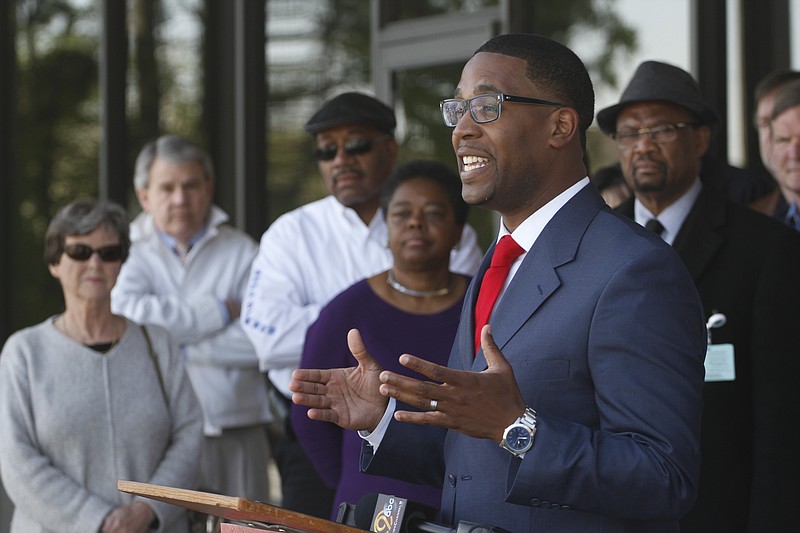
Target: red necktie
506	251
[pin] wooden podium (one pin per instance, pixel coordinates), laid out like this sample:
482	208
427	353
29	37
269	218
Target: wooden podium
237	509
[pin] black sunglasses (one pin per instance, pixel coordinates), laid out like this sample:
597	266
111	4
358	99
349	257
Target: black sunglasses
352	147
81	252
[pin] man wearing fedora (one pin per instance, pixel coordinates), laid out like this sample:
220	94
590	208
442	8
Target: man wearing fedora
309	255
744	267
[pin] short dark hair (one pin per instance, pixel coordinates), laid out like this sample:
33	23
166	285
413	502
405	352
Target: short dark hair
82	217
788	96
433	171
553	67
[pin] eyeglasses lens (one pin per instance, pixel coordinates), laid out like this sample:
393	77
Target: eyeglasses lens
81	252
483	108
352	147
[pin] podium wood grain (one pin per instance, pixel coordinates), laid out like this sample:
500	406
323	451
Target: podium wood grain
234	508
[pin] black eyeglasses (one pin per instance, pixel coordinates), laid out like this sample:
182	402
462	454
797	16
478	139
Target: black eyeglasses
666	133
485	107
81	252
351	147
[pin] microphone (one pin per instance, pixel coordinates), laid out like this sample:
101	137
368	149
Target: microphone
383	513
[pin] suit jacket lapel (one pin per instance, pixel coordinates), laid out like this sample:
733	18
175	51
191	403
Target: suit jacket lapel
698	241
537	277
466	327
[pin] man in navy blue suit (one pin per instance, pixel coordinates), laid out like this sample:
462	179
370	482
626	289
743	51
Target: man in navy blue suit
581	409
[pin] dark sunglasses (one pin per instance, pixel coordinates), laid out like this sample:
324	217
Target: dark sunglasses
352	147
81	252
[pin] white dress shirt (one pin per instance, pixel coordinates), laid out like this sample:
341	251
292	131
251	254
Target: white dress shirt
673	216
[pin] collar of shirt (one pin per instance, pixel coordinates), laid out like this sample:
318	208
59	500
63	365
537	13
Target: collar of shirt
793	216
530	229
376	230
171	241
673	216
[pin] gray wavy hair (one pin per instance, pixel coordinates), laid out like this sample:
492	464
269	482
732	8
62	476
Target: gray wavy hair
82	217
173	148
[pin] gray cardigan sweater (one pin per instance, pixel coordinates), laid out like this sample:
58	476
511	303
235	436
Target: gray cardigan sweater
74	421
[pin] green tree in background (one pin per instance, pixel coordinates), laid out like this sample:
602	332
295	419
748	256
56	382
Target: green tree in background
56	142
58	137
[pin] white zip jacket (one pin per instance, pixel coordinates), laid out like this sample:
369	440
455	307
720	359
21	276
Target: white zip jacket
307	257
188	301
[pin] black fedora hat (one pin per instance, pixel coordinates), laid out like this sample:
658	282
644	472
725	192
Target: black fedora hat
659	81
352	108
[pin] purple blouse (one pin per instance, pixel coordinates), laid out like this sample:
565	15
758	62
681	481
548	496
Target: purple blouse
387	332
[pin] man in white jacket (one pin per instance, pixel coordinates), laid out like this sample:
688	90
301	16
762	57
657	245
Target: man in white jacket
187	272
310	254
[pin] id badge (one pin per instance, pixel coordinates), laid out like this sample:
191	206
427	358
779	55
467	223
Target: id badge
720	363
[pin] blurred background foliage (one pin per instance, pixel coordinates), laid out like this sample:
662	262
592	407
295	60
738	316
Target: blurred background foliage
316	48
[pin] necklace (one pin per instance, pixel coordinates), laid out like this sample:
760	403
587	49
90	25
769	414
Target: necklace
396	285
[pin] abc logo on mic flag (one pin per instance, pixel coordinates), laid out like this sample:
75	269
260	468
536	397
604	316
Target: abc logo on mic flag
389	512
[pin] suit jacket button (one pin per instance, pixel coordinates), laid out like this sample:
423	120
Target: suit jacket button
451	479
536	502
546	504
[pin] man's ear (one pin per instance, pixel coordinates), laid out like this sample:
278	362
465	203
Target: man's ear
141	195
566	124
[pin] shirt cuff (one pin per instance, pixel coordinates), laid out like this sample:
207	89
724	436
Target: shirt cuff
374	439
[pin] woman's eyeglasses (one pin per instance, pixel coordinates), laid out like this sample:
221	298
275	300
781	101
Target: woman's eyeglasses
351	147
81	252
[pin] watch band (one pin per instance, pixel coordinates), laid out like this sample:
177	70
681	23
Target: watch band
527	421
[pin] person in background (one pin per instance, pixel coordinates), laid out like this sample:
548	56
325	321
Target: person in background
311	254
611	184
413	306
764	98
88	397
572	397
744	266
187	273
784	134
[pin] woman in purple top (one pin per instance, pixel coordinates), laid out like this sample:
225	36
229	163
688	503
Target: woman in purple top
412	308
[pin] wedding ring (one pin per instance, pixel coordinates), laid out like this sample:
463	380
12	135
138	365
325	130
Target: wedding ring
434	405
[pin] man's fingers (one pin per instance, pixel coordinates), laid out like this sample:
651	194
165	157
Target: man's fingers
430	370
310	375
494	357
356	344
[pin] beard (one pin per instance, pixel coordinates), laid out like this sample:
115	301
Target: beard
650	182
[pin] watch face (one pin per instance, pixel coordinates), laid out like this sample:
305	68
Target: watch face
518	438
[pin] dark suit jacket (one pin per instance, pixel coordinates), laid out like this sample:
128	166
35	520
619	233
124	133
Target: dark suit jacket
747	266
604	331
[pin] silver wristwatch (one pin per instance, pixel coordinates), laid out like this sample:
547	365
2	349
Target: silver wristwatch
518	437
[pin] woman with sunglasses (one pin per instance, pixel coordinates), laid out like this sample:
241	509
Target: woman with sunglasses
88	398
414	307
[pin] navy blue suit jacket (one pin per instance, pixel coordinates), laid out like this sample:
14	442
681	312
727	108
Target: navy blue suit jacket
604	330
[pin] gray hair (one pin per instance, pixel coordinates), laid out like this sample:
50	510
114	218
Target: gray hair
82	217
788	96
173	148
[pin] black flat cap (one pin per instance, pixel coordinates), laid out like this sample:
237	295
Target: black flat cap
659	81
352	108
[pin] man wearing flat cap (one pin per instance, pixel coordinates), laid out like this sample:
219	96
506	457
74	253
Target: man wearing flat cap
309	255
744	267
